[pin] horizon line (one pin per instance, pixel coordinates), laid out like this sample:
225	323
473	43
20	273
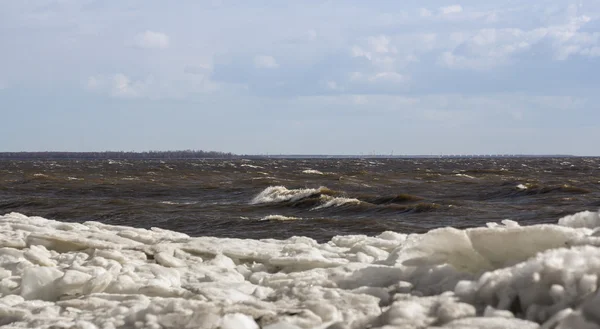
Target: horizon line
216	154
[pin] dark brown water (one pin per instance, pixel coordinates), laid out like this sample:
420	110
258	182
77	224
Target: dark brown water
359	196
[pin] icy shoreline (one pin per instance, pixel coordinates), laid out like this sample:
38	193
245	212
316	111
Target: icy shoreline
92	275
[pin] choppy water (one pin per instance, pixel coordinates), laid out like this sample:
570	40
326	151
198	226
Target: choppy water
317	198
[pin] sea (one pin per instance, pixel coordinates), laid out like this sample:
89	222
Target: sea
317	198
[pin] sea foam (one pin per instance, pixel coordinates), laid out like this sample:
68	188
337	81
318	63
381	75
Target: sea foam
92	275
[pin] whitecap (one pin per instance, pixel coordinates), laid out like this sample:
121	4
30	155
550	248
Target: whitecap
251	166
279	218
178	203
312	171
329	201
276	194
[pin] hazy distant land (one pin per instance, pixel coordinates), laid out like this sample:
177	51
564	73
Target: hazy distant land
192	154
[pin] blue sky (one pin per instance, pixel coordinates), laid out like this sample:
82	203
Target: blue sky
327	77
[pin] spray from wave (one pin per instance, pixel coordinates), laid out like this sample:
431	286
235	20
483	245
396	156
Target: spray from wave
278	194
329	201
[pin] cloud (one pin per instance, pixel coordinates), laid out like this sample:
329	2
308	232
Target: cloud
265	62
332	85
424	12
454	9
120	85
152	40
381	44
388	77
491	47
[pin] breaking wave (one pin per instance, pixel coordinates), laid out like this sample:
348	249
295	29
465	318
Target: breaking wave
323	198
278	194
329	201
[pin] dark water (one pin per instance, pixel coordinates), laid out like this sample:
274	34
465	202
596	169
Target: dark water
214	197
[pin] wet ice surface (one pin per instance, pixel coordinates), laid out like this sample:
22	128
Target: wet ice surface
92	275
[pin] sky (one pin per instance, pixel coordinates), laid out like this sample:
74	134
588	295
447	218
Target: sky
301	77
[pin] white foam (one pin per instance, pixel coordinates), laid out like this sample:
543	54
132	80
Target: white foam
312	171
175	203
251	166
329	201
276	194
583	219
93	275
280	218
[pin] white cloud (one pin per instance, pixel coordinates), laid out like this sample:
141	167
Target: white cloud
388	77
454	9
265	62
381	44
359	52
118	85
591	52
183	84
122	86
332	85
424	12
488	48
150	39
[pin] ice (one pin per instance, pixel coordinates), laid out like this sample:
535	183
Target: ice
92	275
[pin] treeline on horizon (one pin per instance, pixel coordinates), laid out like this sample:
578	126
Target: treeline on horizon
198	154
185	154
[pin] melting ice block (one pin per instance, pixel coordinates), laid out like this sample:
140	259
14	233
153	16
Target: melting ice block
92	275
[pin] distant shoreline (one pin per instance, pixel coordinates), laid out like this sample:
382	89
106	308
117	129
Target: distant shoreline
187	155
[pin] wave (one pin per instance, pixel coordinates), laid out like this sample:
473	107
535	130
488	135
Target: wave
279	218
312	171
531	189
399	198
251	166
323	198
279	194
175	203
329	201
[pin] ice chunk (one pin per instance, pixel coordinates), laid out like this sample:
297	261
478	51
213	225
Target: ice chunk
38	283
238	321
492	323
